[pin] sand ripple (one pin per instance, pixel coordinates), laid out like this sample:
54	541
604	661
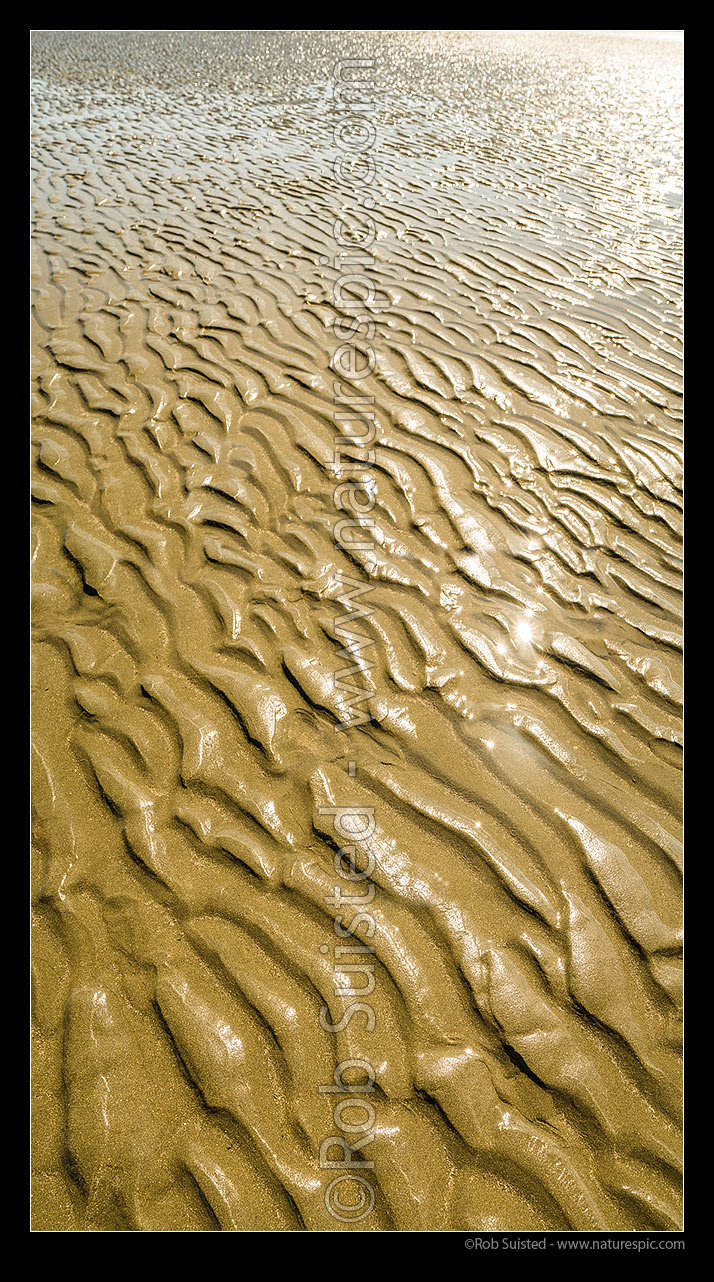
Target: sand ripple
522	749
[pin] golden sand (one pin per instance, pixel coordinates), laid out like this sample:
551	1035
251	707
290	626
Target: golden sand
472	689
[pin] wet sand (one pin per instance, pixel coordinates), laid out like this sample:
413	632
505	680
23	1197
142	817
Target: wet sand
493	680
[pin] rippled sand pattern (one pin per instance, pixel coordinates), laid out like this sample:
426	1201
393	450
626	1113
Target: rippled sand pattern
523	749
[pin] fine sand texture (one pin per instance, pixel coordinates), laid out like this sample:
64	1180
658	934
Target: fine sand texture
461	708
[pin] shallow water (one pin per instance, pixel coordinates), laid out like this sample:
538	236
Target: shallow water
495	677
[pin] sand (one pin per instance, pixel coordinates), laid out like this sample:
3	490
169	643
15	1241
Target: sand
294	650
